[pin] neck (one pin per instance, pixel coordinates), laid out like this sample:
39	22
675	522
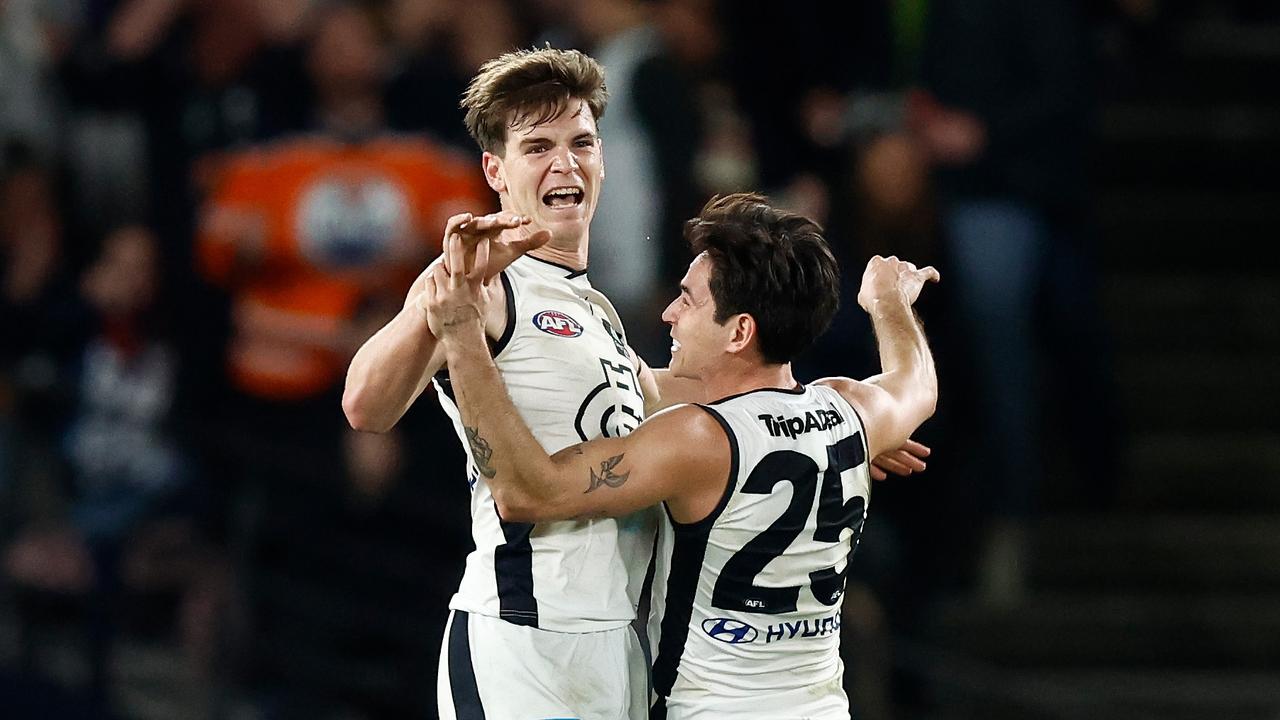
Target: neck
573	256
736	377
567	251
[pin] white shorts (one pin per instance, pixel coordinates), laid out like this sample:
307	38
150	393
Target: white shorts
492	669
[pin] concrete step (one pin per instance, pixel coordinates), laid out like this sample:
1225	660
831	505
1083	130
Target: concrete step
1141	228
1220	390
1225	210
1199	68
1221	39
1176	553
1188	311
1145	121
963	687
1203	471
1224	154
1064	630
1111	694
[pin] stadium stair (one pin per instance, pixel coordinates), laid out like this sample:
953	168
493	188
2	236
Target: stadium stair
1166	604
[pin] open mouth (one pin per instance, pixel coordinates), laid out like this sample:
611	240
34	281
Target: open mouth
675	346
563	197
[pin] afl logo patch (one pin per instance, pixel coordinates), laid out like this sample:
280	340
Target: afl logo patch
554	322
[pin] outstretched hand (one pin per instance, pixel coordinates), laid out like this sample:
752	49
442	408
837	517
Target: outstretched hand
458	299
891	278
905	460
508	235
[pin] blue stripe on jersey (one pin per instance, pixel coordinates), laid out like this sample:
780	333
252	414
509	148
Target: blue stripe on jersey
462	673
513	570
510	329
495	347
687	554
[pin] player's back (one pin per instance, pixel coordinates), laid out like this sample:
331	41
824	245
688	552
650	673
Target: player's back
746	605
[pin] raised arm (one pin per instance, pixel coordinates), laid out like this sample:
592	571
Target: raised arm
393	367
603	477
898	400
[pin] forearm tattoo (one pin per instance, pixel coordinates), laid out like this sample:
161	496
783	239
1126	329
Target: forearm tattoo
607	476
481	451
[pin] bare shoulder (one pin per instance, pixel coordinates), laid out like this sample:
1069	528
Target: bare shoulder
865	397
847	387
693	456
686	415
685	430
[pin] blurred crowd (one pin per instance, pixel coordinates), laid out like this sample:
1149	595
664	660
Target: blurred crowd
207	205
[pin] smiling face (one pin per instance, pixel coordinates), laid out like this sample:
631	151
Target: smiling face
552	173
697	341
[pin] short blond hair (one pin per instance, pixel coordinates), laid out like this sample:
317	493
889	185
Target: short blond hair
529	87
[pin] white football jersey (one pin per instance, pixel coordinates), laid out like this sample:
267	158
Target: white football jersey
564	359
746	603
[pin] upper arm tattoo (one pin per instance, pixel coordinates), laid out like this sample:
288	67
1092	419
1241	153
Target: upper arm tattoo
481	451
607	475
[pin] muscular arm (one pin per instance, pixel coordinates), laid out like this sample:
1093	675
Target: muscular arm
681	456
898	400
393	367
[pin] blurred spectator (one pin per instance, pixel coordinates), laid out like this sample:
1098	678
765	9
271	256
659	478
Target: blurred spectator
41	322
313	233
130	498
224	74
440	45
315	238
105	76
351	578
1004	115
31	38
652	131
784	90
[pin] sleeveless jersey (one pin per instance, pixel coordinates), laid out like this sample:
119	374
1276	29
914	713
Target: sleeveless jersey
746	603
564	360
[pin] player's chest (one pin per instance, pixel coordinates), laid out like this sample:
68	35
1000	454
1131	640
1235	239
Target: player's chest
566	359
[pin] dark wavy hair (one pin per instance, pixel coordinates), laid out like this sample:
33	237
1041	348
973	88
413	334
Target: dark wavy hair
529	87
771	264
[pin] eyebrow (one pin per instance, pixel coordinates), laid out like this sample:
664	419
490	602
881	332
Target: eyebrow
543	139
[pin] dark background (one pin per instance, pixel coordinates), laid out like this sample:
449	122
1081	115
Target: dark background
1097	535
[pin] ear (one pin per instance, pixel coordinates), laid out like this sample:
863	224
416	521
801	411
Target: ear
742	332
493	172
